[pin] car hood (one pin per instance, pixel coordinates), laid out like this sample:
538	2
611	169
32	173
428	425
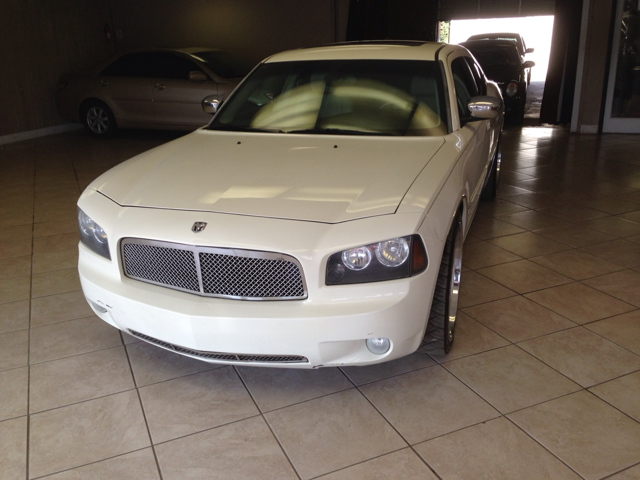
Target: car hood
502	73
317	178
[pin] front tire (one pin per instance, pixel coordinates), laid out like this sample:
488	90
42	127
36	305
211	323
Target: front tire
440	333
98	119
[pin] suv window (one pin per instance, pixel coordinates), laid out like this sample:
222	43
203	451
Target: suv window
465	85
151	65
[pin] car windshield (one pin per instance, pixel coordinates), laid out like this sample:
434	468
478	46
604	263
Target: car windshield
344	97
496	55
223	63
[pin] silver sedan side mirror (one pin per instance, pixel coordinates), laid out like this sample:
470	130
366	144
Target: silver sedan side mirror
528	64
210	104
485	107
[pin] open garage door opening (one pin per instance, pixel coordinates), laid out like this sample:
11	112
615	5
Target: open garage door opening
536	32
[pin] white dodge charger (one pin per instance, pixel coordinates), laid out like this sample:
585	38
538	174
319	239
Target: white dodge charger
318	220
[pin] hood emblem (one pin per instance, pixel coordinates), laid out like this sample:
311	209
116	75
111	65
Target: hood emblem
198	227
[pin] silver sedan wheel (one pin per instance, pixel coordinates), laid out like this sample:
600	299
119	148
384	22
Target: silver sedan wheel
98	120
454	283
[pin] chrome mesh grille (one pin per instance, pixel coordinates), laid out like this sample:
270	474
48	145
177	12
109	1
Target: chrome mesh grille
249	276
229	357
214	272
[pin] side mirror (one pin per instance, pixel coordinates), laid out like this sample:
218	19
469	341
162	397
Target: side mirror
197	76
485	107
529	50
210	104
528	64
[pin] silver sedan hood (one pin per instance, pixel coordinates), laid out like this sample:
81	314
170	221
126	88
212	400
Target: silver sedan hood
316	178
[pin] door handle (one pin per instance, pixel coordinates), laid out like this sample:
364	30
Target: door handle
159	86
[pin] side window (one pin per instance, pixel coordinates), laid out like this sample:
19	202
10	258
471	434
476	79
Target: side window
478	75
465	85
169	65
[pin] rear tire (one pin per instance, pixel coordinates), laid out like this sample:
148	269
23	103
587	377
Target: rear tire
98	119
440	333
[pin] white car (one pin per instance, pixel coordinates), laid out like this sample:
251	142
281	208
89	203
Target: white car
317	221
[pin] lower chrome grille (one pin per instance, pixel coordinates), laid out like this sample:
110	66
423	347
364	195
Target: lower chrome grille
214	272
229	357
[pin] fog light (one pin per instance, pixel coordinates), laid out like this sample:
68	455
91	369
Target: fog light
378	346
96	307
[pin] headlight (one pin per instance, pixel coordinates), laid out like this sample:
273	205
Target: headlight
93	235
512	89
388	260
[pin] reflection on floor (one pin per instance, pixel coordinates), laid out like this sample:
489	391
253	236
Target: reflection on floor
543	381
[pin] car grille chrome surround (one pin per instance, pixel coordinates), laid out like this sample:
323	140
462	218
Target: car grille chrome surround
228	357
214	272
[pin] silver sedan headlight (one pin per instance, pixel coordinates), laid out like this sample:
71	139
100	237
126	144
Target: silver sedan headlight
387	260
93	235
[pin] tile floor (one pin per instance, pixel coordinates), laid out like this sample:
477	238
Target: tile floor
543	381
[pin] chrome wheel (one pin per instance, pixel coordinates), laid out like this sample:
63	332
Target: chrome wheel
98	120
454	284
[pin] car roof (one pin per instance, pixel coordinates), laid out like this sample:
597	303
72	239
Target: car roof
479	44
501	35
370	50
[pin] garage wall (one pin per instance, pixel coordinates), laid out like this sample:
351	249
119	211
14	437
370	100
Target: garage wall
41	40
44	39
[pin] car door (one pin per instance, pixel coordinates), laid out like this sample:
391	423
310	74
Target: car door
474	133
125	86
179	86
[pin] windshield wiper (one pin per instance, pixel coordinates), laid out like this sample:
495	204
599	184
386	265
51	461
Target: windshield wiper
240	128
335	131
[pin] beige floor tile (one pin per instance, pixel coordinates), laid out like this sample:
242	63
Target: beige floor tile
13	449
506	191
518	319
572	212
471	337
620	252
499	207
14	349
535	200
18	232
79	378
528	244
410	402
484	254
139	465
239	451
373	373
579	302
43	229
151	364
511	379
501	451
576	264
403	464
73	337
14	289
273	388
622	285
524	276
52	283
15	248
86	432
59	308
633	216
190	404
476	288
575	235
533	220
15	267
14	393
632	473
491	228
346	430
622	393
56	260
583	356
623	330
593	438
54	243
616	226
14	316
